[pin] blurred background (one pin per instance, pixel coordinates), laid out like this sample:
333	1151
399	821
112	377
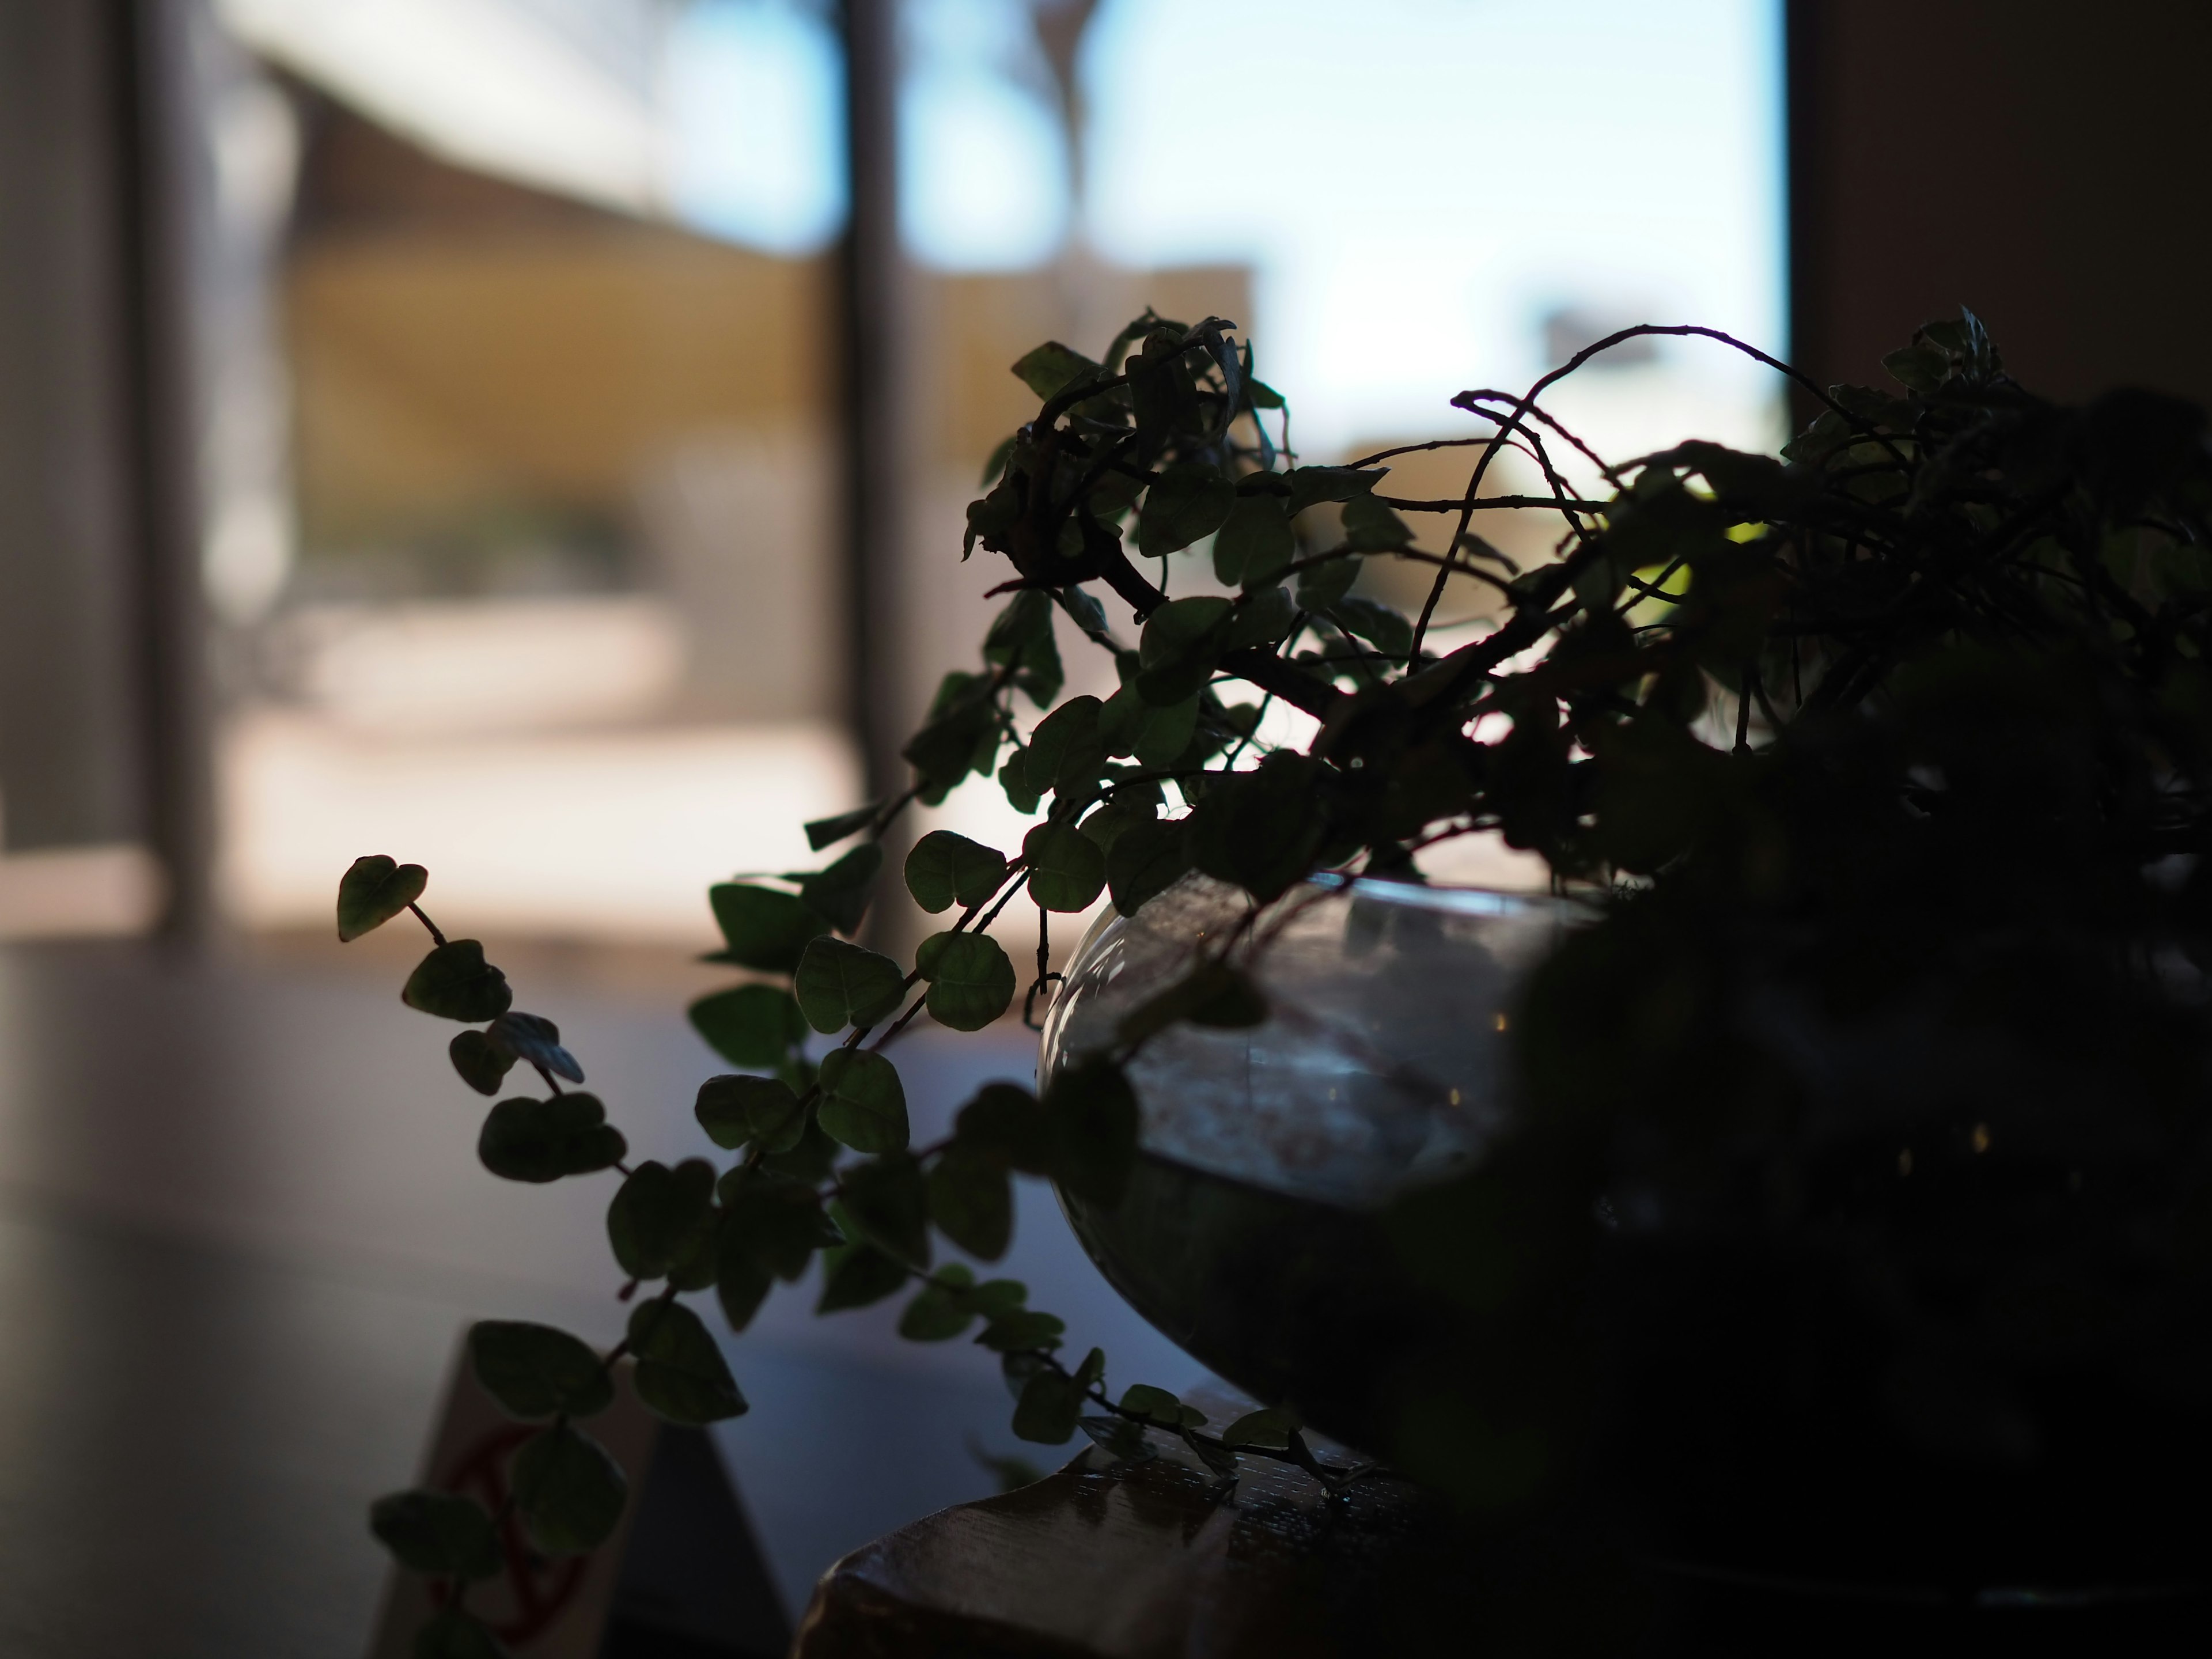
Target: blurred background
532	437
516	375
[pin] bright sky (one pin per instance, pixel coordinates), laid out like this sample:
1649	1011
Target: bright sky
1461	166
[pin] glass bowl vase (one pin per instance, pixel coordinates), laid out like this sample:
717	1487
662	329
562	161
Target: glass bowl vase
1252	1233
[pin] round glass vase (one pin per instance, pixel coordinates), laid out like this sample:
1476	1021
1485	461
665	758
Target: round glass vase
1251	1233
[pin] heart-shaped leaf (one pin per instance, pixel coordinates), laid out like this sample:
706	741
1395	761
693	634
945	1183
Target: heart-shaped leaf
439	1532
763	927
656	1214
945	869
971	982
734	1110
482	1065
535	1041
1254	543
537	1371
542	1141
863	1103
454	981
971	1200
839	985
1145	861
568	1489
886	1198
372	891
1067	869
681	1374
752	1024
1187	503
840	893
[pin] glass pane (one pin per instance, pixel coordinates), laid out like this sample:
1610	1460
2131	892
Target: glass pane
540	587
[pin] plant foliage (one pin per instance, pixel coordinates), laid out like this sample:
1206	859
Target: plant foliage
1914	722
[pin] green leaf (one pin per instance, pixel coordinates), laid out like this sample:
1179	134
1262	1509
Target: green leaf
452	1634
537	1371
542	1141
995	1298
1381	626
1092	1112
971	1200
941	1311
1921	368
481	1065
1020	638
372	891
1372	527
1255	543
570	1491
1106	825
863	1103
1309	484
1262	1430
945	869
944	752
775	1221
1006	1119
763	928
696	1267
535	1041
1261	830
656	1213
887	1201
750	1026
1084	612
1048	1409
1017	1328
454	981
1146	860
1158	1406
1067	869
828	832
856	1274
1189	502
1119	1438
1130	725
839	985
734	1110
971	982
1212	993
1065	751
1052	368
438	1533
811	1160
741	1284
1263	620
1182	641
681	1374
1013	778
1320	585
840	893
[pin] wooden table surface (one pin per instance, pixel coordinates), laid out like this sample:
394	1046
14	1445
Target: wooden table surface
241	1229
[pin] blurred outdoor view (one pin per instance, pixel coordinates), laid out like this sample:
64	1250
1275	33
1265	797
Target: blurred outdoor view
522	529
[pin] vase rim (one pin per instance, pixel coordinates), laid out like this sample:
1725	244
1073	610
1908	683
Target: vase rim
1459	900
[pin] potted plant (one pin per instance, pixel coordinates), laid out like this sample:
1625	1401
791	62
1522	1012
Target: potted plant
1815	1187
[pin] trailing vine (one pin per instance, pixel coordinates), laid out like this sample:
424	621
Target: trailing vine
1652	709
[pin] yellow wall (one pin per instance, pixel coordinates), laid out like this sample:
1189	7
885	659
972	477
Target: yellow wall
433	374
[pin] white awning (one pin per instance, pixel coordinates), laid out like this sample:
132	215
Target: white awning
557	93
